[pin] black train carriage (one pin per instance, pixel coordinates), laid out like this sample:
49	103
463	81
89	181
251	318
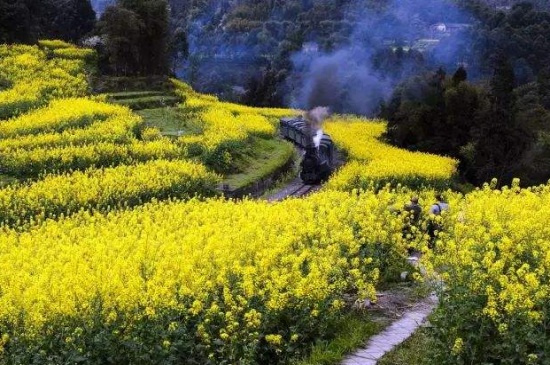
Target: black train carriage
318	162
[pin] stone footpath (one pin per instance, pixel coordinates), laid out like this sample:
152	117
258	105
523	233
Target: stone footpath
394	335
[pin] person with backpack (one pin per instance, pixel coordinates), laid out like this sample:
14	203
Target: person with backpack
439	206
434	225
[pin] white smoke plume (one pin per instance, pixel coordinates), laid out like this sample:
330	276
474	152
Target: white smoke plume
318	137
315	119
317	116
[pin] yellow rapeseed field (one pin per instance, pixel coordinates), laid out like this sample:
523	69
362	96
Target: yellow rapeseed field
494	257
227	273
36	79
106	257
102	189
226	127
69	135
374	163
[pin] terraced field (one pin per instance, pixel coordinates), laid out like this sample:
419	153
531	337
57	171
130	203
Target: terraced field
115	249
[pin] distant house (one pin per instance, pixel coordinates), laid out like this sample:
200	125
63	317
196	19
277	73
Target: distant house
457	27
424	45
503	8
310	47
439	28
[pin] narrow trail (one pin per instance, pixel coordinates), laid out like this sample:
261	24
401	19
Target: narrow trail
400	330
393	335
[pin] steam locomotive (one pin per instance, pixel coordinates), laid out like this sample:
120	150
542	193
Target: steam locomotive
318	161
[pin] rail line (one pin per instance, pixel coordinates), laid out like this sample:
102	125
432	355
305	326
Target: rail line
295	189
302	190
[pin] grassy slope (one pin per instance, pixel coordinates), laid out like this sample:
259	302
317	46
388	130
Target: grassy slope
146	102
350	333
134	94
5	180
169	120
266	157
414	351
355	329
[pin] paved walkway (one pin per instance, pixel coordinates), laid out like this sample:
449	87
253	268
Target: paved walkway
394	335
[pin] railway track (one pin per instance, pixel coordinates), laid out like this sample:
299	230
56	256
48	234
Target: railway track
295	189
302	190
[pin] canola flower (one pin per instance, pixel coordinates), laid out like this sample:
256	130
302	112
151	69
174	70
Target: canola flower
220	125
23	163
36	79
104	189
116	129
226	128
54	44
224	272
69	122
375	163
232	281
197	100
75	53
75	134
62	49
61	115
494	257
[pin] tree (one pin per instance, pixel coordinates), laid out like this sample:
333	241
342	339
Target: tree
141	32
18	22
121	28
25	21
501	141
460	75
68	20
83	20
178	47
264	89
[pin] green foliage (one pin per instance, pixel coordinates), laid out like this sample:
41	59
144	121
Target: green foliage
136	34
222	158
170	121
149	102
24	21
348	333
263	158
496	130
121	84
415	350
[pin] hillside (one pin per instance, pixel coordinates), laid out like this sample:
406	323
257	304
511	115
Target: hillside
115	246
152	211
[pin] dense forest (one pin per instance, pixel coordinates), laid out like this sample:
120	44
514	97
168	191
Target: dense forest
25	21
465	78
497	123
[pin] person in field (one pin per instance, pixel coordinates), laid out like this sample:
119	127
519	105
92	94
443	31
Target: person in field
434	225
439	206
414	209
411	220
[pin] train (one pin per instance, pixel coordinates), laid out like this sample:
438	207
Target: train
319	157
